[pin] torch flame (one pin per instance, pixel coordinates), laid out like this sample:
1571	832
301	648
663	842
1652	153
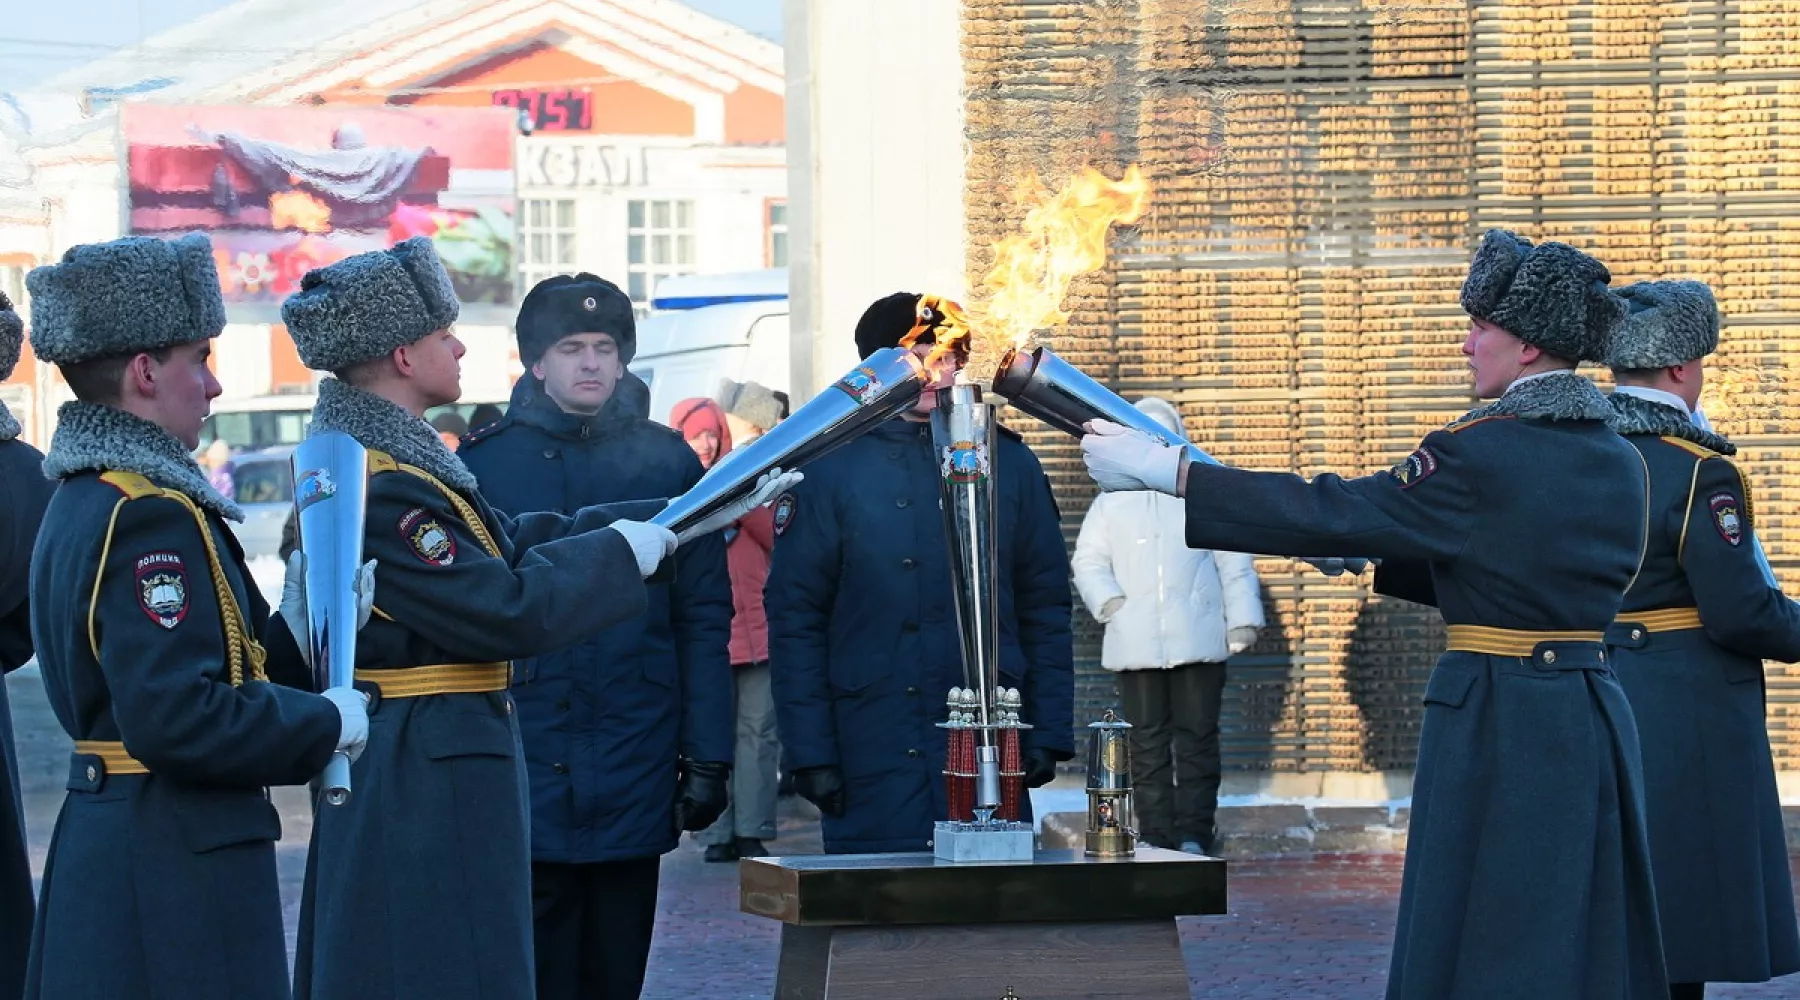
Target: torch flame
945	321
1063	236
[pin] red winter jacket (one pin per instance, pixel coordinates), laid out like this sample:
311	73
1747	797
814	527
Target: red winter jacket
747	560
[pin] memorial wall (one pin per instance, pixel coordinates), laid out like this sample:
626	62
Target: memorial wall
1321	172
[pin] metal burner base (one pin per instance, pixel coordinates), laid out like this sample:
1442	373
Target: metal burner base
975	842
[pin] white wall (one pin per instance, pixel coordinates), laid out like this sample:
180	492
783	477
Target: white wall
875	153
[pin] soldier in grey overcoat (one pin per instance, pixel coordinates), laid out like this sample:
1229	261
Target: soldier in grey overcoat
420	886
1527	868
1689	647
24	492
160	881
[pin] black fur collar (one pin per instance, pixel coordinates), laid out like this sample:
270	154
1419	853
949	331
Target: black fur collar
381	425
1563	395
94	438
1637	415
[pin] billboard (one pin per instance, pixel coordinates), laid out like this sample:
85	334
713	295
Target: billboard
282	190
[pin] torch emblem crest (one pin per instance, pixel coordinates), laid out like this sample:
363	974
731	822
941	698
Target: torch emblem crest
861	384
965	462
314	486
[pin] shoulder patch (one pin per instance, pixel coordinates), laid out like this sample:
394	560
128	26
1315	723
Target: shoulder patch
1415	468
1727	515
162	587
427	537
784	512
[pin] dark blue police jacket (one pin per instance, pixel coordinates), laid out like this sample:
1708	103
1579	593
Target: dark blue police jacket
863	643
605	718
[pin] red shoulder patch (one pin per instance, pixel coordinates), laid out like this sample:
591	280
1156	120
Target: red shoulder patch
427	537
162	587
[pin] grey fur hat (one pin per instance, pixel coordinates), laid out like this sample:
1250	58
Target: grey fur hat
363	307
1551	296
750	401
130	295
1666	323
12	334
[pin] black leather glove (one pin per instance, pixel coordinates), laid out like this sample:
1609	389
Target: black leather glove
701	794
1040	767
822	786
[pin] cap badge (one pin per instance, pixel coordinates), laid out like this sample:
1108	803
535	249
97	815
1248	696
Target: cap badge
590	303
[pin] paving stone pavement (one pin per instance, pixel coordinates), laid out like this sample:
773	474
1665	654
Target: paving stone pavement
1300	928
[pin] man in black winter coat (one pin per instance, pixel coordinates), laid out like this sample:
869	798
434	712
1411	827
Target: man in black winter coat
628	731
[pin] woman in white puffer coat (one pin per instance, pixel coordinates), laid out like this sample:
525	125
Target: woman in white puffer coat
1172	616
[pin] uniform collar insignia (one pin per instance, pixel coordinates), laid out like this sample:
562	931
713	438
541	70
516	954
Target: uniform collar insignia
96	438
1557	396
383	426
1636	415
9	424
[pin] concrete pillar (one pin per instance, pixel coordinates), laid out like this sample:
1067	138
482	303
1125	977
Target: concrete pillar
875	166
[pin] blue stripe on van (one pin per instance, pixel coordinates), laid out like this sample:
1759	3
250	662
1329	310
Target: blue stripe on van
697	301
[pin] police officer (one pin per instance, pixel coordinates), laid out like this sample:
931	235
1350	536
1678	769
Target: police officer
420	884
1527	872
863	638
628	730
1688	647
161	877
23	494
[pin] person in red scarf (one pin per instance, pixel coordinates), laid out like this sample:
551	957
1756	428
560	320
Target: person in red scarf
750	818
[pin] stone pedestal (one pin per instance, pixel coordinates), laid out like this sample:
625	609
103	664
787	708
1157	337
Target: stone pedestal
910	927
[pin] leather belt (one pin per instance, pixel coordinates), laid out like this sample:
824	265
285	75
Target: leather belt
440	678
1510	641
1662	620
112	755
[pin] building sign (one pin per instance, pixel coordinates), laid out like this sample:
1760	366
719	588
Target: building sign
562	110
282	190
583	164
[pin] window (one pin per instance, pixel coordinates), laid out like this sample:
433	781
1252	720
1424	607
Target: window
775	252
659	243
12	285
547	241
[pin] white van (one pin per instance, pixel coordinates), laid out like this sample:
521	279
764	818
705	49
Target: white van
713	327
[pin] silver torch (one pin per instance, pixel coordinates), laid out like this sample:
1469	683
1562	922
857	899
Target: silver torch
962	434
882	386
1045	386
330	495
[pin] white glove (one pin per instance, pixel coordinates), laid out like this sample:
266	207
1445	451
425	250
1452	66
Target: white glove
772	484
650	543
1109	609
353	719
1122	459
293	600
1241	638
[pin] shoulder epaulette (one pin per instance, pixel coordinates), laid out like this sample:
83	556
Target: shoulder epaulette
1009	432
483	432
1691	447
134	486
381	461
1458	428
